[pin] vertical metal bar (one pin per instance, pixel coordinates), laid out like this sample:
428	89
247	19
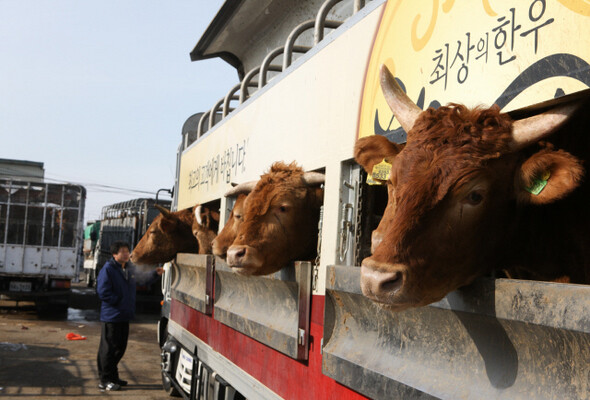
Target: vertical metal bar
303	271
61	221
43	224
358	4
61	218
290	43
210	285
246	83
202	123
229	97
213	113
7	222
320	20
44	216
79	235
266	63
7	214
25	230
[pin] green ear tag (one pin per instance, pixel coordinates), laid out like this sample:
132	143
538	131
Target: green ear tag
538	184
381	171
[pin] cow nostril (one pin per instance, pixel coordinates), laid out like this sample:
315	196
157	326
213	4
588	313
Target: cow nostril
391	282
236	254
379	282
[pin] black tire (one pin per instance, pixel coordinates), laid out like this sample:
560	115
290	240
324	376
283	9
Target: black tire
90	279
168	386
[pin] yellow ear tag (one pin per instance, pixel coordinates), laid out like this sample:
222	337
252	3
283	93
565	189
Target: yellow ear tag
371	181
381	171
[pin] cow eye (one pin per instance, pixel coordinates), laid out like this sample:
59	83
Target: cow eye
474	198
237	216
283	209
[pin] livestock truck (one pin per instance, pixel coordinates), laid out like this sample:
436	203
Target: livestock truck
40	241
309	88
126	221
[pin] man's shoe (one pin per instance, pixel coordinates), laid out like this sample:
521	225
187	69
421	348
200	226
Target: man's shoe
110	386
121	382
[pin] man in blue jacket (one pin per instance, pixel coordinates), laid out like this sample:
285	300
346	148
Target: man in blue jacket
115	287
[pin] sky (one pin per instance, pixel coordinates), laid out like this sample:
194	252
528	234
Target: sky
98	90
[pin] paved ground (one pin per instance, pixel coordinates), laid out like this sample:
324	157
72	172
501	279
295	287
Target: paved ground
38	362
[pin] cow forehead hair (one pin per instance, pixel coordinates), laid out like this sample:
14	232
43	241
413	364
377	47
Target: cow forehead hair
281	179
477	132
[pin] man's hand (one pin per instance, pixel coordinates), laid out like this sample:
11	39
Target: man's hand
160	271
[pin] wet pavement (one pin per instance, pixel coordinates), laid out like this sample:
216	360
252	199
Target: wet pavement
38	362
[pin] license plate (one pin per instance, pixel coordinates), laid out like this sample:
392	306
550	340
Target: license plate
16	286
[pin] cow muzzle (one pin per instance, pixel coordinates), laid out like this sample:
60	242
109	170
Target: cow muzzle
383	283
243	259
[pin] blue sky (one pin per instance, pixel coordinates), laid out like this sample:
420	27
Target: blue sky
98	90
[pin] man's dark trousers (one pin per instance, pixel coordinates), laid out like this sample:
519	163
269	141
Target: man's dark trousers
113	342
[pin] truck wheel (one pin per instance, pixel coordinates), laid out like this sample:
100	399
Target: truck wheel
89	279
168	386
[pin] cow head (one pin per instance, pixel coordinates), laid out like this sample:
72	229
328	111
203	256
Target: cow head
453	189
168	234
205	226
230	230
279	221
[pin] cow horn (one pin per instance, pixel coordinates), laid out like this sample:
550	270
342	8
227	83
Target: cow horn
313	178
532	129
198	215
404	109
245	188
165	212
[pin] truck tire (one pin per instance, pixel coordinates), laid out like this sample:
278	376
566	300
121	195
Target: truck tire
90	278
51	309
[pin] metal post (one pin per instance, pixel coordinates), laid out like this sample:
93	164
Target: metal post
7	213
43	224
79	229
61	222
321	19
7	222
25	230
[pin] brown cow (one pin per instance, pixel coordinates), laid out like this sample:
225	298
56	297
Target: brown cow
230	230
205	227
280	221
176	232
460	201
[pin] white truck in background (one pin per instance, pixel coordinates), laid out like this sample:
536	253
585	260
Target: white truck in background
41	239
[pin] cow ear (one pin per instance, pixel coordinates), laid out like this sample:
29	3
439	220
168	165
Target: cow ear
168	223
371	150
548	176
316	197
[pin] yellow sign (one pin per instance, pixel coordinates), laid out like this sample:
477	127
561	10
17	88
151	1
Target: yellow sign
477	52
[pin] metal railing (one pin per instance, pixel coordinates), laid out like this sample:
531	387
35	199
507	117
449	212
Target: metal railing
241	92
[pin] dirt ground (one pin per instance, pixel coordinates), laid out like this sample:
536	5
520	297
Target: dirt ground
38	362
